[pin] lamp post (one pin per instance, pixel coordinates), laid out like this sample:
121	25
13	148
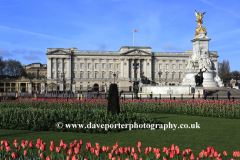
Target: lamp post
114	75
159	78
135	67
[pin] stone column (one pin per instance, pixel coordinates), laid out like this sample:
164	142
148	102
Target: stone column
56	69
78	70
107	68
30	87
49	68
145	67
62	66
85	67
139	69
122	69
150	69
127	69
93	73
42	87
69	68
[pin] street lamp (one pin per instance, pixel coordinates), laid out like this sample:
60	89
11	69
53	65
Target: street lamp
135	67
114	75
159	78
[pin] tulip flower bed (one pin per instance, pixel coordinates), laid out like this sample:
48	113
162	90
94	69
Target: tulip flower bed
43	116
76	151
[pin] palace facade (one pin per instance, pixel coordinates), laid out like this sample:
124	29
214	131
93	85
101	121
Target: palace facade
77	70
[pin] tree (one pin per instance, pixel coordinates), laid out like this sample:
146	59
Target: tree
2	66
235	75
224	71
13	68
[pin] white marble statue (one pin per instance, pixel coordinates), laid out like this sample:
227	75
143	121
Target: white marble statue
190	64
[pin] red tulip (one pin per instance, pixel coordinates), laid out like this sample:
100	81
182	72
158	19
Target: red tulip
225	153
74	157
65	147
150	149
42	148
61	143
104	148
108	149
146	151
205	153
215	154
39	141
135	156
15	145
8	149
58	149
192	156
114	148
126	151
139	150
2	142
42	155
139	144
133	149
37	146
172	148
201	155
178	151
85	159
75	142
70	152
110	156
219	155
6	143
2	148
81	142
116	144
14	155
48	158
157	155
114	158
84	152
211	155
78	145
52	148
117	152
25	153
76	150
15	141
98	147
31	145
26	143
121	150
53	144
97	153
119	158
92	150
18	148
171	155
68	157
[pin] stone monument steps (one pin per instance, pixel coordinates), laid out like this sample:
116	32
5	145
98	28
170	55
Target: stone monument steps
223	92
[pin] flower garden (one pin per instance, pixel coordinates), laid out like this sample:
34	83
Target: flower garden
38	116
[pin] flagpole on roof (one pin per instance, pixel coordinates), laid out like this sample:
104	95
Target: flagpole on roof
133	37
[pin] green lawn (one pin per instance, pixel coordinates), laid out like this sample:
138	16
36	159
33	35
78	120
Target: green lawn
219	133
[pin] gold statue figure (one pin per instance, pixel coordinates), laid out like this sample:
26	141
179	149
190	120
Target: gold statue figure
200	22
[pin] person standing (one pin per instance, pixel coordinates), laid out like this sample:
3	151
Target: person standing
198	94
205	94
229	94
151	95
231	85
239	86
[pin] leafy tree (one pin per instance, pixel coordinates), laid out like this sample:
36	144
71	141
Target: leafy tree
224	71
235	75
13	68
2	66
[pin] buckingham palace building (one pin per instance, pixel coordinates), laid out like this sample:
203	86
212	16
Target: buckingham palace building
79	70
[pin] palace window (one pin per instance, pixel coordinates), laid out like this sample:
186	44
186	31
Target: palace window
166	66
173	76
96	75
160	67
110	65
81	87
173	66
103	65
64	75
117	66
89	65
58	75
180	66
96	65
180	76
117	75
166	76
53	75
81	75
74	65
58	66
64	65
88	75
110	75
52	65
103	75
74	75
81	65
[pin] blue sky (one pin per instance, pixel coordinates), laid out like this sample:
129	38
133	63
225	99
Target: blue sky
29	27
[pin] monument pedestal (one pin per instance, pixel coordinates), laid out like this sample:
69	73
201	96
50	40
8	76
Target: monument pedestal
208	80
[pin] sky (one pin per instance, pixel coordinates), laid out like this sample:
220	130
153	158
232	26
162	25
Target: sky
29	27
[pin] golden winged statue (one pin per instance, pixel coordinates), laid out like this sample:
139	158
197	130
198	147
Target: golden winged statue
200	22
199	17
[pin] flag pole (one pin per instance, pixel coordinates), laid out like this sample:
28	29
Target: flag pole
133	37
